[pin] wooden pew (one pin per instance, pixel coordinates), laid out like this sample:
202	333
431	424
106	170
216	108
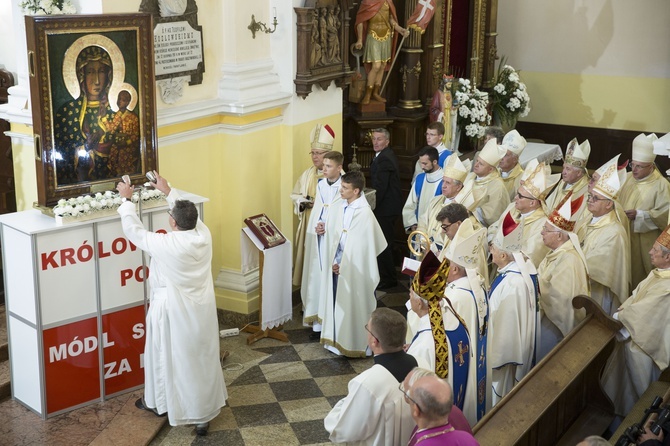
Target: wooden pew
560	401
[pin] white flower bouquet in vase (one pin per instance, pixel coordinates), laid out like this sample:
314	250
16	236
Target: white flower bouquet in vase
510	97
473	115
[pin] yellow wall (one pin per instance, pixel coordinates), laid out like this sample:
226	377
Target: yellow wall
600	101
242	174
25	175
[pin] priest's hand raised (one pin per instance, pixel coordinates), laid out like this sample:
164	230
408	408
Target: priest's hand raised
161	184
336	268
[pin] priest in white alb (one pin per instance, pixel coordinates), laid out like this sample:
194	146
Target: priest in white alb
182	369
466	294
513	302
424	188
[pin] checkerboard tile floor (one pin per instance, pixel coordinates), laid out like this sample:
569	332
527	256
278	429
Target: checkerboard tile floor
279	393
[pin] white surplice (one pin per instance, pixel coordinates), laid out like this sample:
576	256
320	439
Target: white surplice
374	412
353	240
514	322
182	369
316	265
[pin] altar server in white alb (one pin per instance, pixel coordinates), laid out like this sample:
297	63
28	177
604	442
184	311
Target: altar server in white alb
182	370
302	196
425	187
353	240
316	266
513	302
466	294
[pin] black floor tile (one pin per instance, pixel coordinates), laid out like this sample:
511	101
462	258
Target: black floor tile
279	354
259	415
300	336
252	376
329	367
296	390
309	432
227	437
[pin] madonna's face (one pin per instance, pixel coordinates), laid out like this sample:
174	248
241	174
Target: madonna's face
96	76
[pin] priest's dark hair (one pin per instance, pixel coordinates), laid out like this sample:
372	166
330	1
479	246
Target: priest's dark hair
432	153
356	179
455	212
389	327
185	214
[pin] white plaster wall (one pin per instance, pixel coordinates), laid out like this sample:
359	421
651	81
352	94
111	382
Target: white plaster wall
597	37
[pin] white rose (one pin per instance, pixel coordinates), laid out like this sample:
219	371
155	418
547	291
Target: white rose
62	202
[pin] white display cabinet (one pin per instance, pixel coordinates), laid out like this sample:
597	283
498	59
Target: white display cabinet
75	305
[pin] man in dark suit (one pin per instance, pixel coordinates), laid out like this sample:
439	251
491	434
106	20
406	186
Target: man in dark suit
386	181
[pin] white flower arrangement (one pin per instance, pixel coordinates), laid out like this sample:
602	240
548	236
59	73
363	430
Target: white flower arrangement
48	7
473	116
510	96
87	205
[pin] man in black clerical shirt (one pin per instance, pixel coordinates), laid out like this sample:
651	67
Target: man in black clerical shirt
373	411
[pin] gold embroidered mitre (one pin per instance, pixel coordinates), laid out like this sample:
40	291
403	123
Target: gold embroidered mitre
322	137
538	180
664	238
455	169
509	236
577	155
564	217
611	178
429	283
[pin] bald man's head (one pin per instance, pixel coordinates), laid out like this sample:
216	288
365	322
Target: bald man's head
434	397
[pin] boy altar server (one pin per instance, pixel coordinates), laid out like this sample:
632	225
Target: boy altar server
321	142
353	240
316	266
